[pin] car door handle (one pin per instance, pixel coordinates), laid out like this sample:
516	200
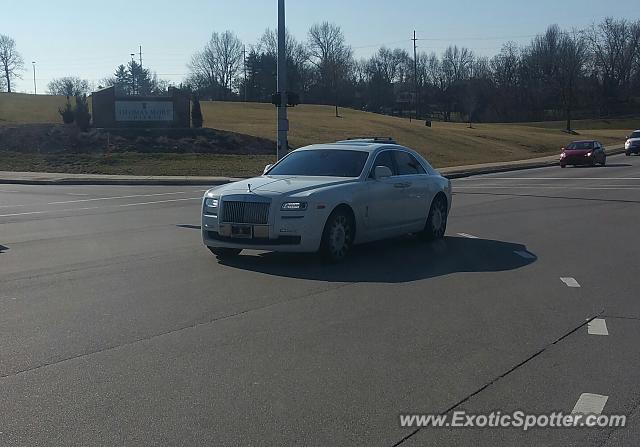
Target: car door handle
402	185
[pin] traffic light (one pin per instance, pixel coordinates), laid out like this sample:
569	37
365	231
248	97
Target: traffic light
293	99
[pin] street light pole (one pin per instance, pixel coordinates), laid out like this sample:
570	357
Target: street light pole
133	73
283	123
35	87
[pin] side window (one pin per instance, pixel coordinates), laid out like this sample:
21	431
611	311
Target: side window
407	164
384	159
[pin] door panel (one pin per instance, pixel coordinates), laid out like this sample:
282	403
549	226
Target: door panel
384	200
416	190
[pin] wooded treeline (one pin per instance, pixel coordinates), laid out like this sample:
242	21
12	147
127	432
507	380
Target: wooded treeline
560	74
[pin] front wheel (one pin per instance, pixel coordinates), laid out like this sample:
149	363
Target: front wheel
224	253
437	221
563	166
337	237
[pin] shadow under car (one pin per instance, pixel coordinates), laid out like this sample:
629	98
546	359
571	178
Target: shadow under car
393	261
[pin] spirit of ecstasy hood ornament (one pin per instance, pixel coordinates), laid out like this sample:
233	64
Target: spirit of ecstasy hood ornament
249	187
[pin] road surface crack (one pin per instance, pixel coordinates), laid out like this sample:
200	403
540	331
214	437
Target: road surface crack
504	374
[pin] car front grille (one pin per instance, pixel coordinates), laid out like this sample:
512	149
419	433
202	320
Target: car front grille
256	213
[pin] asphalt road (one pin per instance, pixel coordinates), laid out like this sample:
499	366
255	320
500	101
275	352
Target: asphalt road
118	328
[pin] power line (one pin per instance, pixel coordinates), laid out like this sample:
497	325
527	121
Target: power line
478	38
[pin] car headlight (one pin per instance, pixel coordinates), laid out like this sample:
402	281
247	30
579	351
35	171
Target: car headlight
294	206
563	155
210	202
627	144
589	154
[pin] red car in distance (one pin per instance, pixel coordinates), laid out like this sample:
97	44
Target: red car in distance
584	153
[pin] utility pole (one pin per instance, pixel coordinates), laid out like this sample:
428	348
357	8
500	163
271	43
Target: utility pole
415	74
140	57
283	123
244	58
35	87
133	73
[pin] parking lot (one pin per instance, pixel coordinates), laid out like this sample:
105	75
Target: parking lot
119	328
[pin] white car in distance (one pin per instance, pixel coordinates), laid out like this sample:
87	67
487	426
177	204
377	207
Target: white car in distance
328	197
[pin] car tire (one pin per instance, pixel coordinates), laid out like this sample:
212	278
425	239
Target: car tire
628	154
604	162
436	225
562	165
337	236
225	253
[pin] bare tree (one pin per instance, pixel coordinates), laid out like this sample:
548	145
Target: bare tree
295	51
572	65
297	58
614	45
219	63
331	55
68	86
11	62
457	63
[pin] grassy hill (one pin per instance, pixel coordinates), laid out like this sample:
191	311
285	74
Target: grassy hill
444	144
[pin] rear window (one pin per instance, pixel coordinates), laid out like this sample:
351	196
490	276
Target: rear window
407	164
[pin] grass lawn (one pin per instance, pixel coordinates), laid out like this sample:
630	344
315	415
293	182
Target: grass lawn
444	144
138	164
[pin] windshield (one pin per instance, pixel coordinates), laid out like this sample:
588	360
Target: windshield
322	163
635	135
581	145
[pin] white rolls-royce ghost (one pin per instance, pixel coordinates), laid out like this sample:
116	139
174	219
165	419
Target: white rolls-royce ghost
328	197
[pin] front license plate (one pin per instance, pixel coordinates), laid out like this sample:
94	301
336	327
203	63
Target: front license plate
242	231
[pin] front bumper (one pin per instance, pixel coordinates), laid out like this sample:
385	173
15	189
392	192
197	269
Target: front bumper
633	150
284	231
577	160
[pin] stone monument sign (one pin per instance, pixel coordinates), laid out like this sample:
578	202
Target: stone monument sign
111	110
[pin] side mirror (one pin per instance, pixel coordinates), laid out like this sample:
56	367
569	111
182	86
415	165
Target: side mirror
382	172
266	168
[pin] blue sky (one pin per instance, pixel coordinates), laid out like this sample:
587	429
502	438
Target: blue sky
89	39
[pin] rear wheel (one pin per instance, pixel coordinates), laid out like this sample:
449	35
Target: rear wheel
225	253
338	235
437	221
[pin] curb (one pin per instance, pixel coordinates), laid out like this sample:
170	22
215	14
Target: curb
516	167
118	182
146	181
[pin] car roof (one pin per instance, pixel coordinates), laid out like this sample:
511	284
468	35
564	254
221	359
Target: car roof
352	145
584	141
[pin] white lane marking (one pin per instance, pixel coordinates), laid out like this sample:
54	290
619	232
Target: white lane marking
598	327
571	282
117	197
525	254
76	194
468	236
579	188
551	178
96	207
7	190
161	201
590	404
